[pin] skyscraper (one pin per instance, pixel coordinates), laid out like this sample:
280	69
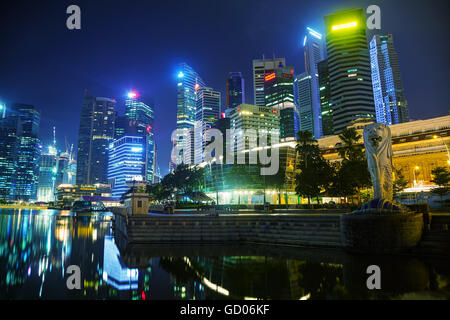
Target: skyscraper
279	90
390	103
304	100
325	105
48	167
310	113
261	68
252	117
95	133
188	82
28	152
235	90
208	112
141	116
127	162
9	142
351	94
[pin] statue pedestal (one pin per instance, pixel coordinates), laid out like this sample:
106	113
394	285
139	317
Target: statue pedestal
381	232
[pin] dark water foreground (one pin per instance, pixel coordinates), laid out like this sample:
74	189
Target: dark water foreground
37	246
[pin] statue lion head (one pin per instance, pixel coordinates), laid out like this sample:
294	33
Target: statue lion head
376	134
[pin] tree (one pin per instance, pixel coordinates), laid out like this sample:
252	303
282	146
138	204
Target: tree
315	171
352	174
351	149
441	177
400	182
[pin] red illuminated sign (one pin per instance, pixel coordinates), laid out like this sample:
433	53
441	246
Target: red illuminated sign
274	111
269	76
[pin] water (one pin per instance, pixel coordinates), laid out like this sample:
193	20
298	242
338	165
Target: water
37	246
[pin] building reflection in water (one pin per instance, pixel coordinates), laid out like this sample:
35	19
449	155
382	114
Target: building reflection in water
36	247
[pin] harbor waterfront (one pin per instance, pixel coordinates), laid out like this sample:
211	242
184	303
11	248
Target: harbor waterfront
37	246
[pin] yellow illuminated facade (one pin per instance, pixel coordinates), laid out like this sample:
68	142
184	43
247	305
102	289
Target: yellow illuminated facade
418	148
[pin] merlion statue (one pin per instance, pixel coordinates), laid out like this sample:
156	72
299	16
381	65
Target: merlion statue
377	141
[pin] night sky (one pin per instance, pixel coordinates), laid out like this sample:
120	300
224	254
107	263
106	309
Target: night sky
136	44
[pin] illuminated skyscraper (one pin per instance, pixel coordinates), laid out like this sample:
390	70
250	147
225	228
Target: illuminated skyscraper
208	112
235	90
140	118
262	68
309	103
351	94
325	105
188	81
304	100
28	152
390	103
47	175
96	132
128	161
9	142
279	90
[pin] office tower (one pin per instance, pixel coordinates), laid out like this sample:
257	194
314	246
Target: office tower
279	90
66	169
128	159
9	142
140	118
304	99
235	90
95	133
28	152
208	112
261	68
325	105
351	93
48	167
188	82
260	119
390	103
309	107
119	127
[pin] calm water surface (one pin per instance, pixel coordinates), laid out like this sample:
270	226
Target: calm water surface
37	246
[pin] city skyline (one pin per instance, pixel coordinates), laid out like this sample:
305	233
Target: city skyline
427	102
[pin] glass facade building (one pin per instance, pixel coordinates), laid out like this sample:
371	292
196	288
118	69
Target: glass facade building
262	68
207	113
9	142
96	132
140	117
128	161
188	81
390	103
309	103
235	90
279	89
325	104
28	152
48	168
351	93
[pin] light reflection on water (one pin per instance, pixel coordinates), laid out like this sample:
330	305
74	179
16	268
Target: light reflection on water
37	246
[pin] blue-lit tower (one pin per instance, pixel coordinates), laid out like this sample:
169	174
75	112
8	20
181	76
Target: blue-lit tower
28	151
390	103
188	81
140	117
309	103
127	162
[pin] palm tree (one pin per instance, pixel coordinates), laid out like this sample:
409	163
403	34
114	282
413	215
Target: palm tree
351	148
